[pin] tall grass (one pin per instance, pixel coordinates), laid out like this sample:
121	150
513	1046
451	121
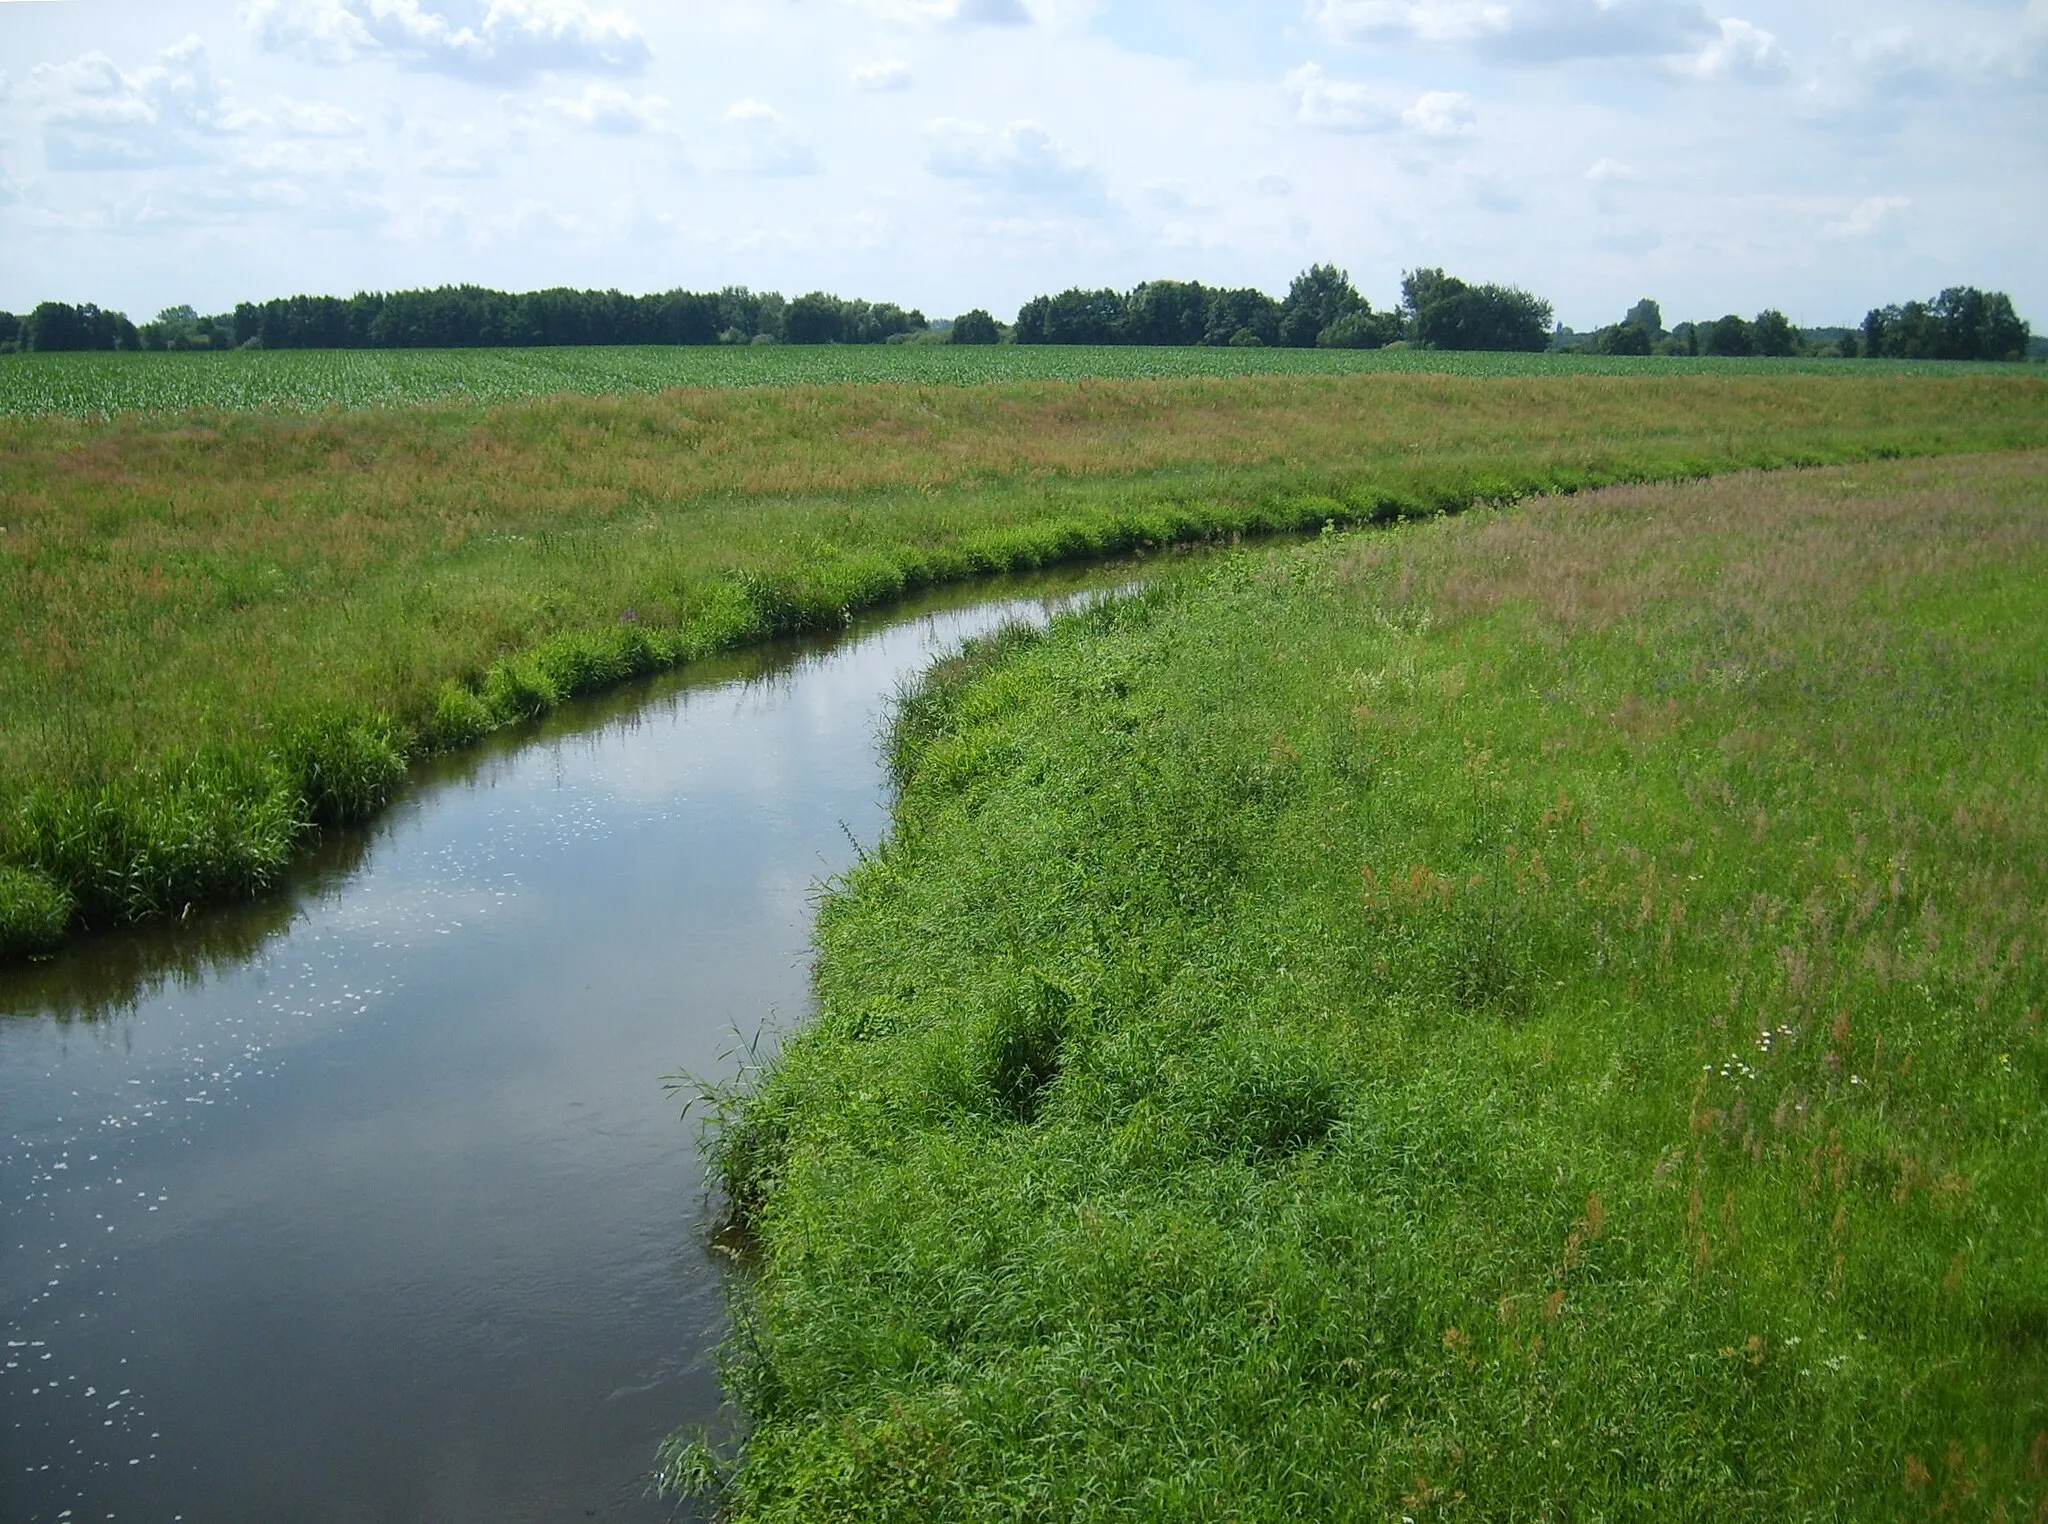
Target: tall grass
229	628
1529	1016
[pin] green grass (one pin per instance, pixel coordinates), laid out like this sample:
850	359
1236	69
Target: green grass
228	630
102	385
1535	1015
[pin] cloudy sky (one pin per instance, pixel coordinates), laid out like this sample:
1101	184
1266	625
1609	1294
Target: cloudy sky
1818	155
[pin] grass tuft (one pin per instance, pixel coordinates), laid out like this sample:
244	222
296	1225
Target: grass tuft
34	912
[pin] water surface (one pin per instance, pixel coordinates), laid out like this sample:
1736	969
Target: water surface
368	1202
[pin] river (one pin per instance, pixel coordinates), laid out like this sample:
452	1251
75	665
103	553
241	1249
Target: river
368	1201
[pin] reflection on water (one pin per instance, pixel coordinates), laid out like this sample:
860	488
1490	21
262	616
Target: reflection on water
366	1202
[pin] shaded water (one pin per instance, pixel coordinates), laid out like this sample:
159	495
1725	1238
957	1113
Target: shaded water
367	1202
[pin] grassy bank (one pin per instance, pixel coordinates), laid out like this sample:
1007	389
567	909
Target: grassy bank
231	628
1535	1015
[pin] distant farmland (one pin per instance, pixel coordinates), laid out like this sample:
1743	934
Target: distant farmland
102	385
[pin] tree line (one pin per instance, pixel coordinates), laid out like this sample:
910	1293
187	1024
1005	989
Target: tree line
1962	323
476	317
1322	309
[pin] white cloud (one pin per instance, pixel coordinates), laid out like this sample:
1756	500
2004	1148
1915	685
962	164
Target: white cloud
1898	61
1345	105
512	39
1170	193
98	118
1340	105
954	13
1742	51
1488	191
1272	183
756	139
1870	216
880	78
531	220
1611	172
1521	31
456	164
606	108
1022	157
1441	114
314	119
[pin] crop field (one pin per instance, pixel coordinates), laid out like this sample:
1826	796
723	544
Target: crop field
227	629
103	385
1535	1015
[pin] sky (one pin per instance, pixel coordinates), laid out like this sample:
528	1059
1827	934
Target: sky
1819	156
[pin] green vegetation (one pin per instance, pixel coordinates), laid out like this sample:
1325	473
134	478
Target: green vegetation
230	629
1534	1015
106	385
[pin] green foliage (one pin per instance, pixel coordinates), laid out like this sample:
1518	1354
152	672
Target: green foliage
821	318
1730	336
35	912
59	326
1536	1015
975	327
1772	335
464	317
1446	313
1320	297
1962	323
1361	329
1072	317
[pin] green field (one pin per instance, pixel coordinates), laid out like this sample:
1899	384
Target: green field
1535	1015
231	629
102	385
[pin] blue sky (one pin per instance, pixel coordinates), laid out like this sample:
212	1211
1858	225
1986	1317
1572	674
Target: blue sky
1719	155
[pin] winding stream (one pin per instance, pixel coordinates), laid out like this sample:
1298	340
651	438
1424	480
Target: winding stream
367	1202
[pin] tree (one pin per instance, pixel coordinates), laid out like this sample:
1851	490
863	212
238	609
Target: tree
1623	339
1361	329
1319	296
1243	317
10	333
1962	323
1772	334
1446	313
1073	317
1729	336
1639	333
61	326
1166	312
975	327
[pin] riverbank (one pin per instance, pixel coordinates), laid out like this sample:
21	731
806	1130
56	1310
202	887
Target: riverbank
234	629
1532	1014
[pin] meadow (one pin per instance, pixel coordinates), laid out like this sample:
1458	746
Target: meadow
105	385
1531	1015
232	628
